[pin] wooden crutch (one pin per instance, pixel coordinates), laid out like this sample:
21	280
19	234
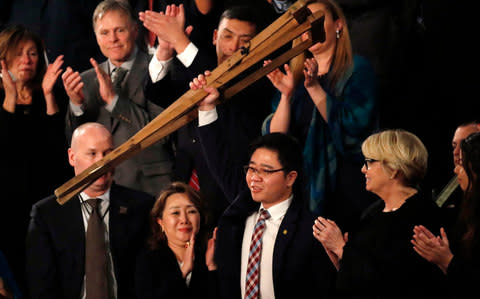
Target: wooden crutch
292	24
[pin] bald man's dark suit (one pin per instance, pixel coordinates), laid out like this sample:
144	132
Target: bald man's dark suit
56	243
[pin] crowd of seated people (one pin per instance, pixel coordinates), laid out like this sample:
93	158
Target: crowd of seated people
296	169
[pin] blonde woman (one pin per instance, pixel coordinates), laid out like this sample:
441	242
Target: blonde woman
376	259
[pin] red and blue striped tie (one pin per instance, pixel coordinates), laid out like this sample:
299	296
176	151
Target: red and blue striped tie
252	285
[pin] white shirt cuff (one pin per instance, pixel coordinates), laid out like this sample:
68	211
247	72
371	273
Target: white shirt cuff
207	117
158	69
188	55
76	110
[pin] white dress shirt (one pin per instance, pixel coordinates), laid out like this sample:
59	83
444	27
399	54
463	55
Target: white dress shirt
277	212
159	69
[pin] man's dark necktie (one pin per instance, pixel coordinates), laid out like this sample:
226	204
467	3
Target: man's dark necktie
95	255
117	77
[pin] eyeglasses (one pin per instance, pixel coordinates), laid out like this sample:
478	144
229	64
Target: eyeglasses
260	172
368	161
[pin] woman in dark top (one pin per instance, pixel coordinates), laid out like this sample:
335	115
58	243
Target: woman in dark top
31	134
458	259
176	264
376	259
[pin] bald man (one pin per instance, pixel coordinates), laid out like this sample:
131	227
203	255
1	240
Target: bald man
56	234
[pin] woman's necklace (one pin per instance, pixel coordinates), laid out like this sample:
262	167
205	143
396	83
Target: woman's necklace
24	96
399	203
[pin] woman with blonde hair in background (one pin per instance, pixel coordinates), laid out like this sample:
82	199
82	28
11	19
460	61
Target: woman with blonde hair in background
376	259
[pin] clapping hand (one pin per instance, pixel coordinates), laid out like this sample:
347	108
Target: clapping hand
209	254
169	28
10	89
189	256
435	249
284	82
51	75
107	93
73	84
329	234
310	72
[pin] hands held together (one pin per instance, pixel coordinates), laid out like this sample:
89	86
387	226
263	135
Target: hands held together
73	84
284	81
435	249
189	255
169	29
329	234
11	86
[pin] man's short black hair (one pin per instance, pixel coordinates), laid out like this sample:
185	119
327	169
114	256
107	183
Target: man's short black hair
286	146
290	156
243	13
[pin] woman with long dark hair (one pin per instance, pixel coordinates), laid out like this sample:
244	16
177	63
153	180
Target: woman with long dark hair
31	134
457	254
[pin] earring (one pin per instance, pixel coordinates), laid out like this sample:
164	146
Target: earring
338	33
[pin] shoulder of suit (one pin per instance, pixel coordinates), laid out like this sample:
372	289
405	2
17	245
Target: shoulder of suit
50	203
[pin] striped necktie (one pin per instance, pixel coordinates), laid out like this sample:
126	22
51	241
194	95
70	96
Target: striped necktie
252	284
118	74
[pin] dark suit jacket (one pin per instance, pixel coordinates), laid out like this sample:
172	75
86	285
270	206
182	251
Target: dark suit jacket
149	170
300	265
301	268
158	275
379	261
56	243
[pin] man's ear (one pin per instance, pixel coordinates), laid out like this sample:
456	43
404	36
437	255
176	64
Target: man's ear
215	34
71	157
291	178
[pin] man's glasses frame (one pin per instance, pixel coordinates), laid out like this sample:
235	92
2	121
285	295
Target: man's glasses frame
262	172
